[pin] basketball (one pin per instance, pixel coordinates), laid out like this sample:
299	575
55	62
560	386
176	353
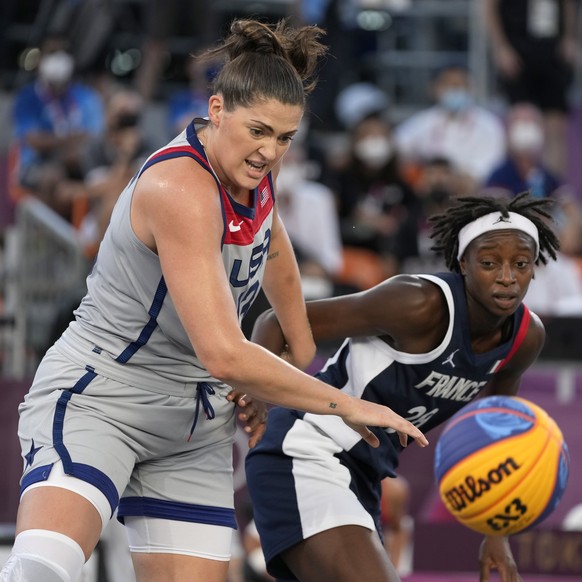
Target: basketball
501	465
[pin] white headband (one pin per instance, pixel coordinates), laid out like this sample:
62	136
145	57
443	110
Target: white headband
496	221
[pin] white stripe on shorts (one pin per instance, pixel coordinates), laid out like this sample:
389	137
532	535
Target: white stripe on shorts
322	483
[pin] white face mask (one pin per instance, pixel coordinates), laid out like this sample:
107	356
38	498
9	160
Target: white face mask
56	68
374	151
455	100
526	136
290	175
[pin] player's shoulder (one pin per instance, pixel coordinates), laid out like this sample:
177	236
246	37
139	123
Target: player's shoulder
417	292
536	331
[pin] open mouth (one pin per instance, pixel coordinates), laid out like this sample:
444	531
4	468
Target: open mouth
505	300
255	166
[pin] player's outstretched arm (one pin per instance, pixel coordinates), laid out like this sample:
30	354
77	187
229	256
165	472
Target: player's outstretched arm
495	554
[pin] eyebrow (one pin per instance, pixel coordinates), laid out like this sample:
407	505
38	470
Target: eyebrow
272	129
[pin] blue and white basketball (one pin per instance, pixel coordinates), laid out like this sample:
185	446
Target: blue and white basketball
501	465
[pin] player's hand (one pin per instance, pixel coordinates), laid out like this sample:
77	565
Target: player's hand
495	554
254	415
385	418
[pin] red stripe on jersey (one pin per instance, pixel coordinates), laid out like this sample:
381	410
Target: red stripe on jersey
520	336
182	149
239	229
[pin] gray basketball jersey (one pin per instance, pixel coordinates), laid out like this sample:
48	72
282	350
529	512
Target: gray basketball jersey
126	326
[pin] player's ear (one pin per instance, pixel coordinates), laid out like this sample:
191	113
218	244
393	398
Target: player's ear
462	266
215	109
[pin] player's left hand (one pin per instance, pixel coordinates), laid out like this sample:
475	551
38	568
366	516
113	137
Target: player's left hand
254	415
495	554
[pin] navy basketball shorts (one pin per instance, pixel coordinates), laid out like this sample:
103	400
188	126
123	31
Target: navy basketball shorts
299	487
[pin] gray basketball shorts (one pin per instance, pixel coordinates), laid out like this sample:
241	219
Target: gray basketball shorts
151	454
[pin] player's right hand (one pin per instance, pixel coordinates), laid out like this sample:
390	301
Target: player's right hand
386	418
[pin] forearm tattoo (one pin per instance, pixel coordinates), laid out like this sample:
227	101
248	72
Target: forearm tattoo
273	255
333	405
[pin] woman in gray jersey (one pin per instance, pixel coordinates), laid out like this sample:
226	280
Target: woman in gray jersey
131	409
424	345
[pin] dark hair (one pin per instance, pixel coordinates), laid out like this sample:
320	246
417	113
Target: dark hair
267	62
446	226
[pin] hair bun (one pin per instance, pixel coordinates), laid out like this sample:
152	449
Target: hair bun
254	36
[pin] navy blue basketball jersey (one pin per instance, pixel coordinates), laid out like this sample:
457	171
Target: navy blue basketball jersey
426	389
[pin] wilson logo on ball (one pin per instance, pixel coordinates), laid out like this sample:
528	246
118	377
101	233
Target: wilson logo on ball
460	496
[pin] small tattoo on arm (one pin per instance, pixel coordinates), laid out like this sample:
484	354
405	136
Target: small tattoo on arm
273	255
332	405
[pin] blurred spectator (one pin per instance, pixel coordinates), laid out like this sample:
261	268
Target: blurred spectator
349	44
396	521
358	101
557	287
570	210
534	45
191	101
110	162
378	210
523	167
163	19
309	213
437	184
556	290
54	116
455	128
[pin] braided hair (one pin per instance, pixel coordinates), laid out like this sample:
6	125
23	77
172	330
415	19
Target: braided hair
447	225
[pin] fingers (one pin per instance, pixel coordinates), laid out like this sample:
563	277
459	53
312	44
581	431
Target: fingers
403	439
238	398
257	435
405	429
252	419
254	415
369	437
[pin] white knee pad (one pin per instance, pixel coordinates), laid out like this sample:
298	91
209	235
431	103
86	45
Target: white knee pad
43	555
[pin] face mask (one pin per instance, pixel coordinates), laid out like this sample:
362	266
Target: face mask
526	136
374	151
56	68
455	100
290	175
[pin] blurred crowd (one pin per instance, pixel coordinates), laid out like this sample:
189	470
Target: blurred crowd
356	195
357	186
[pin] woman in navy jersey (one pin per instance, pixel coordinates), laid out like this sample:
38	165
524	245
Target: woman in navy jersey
424	345
132	409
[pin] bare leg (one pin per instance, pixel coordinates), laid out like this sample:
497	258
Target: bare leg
177	568
60	510
343	554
